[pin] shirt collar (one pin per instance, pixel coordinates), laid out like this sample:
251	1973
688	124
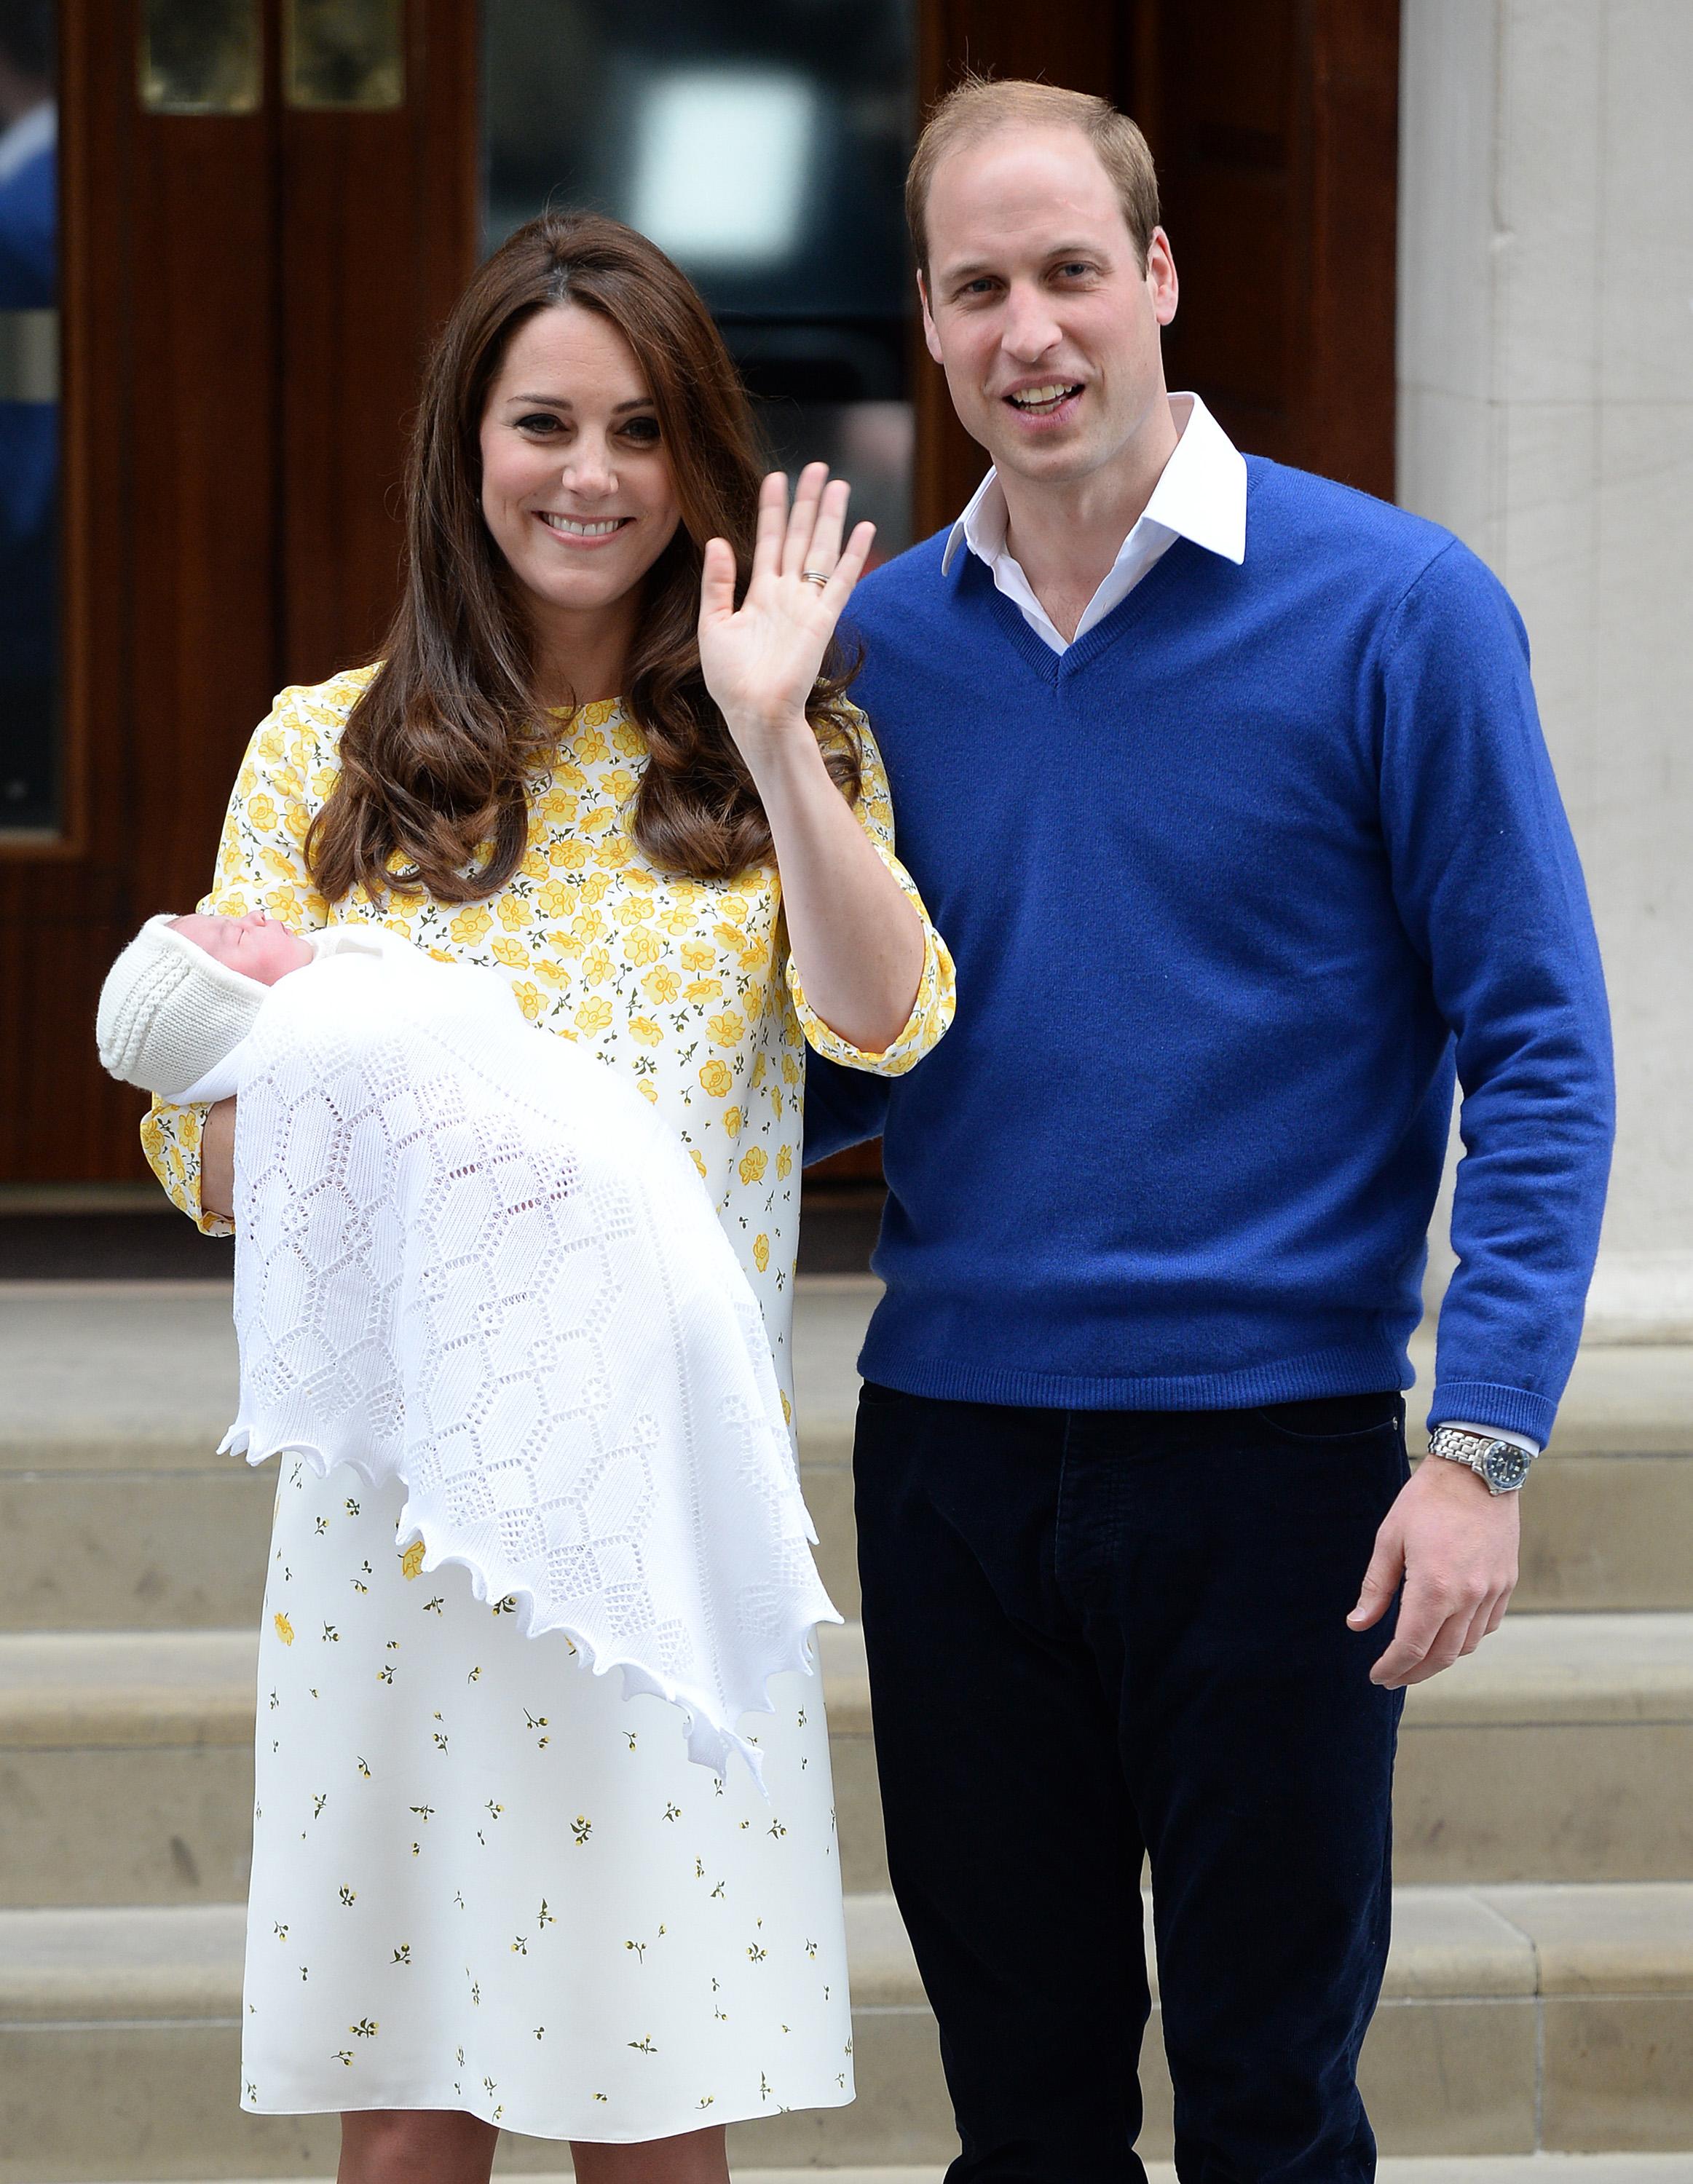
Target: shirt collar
1201	495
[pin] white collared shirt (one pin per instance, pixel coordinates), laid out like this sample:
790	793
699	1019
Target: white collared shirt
1201	495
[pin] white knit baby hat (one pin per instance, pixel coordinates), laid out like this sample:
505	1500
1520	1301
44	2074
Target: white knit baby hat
169	1012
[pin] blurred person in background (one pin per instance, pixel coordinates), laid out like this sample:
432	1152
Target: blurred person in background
29	415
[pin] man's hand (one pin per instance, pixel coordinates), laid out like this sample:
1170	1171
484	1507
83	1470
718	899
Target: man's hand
1455	1544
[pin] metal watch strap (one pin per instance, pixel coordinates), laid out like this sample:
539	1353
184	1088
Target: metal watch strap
1500	1465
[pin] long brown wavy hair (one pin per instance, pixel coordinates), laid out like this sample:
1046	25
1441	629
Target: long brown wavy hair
441	753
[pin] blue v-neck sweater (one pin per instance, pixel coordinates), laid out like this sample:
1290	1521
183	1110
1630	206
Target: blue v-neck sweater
1231	885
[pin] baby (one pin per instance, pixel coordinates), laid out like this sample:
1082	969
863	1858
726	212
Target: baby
473	1259
258	945
187	990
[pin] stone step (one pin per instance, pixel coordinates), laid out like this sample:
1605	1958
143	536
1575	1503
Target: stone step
116	1509
1607	1518
126	1765
1469	2168
1513	2020
1562	1750
119	1515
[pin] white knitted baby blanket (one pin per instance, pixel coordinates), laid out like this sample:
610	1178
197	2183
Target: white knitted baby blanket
473	1258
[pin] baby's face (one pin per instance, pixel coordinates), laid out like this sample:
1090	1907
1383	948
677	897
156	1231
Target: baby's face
256	945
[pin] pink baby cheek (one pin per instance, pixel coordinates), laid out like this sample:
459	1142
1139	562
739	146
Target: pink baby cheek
275	952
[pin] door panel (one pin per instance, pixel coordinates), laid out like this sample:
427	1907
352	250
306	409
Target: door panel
378	233
204	487
1274	124
247	300
170	510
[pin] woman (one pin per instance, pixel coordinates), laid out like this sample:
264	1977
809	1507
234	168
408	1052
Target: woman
487	1890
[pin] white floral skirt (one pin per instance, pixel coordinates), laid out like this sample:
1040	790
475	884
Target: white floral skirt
483	1879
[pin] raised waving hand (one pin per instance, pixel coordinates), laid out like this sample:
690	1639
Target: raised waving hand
761	658
857	943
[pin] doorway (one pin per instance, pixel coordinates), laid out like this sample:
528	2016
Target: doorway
229	227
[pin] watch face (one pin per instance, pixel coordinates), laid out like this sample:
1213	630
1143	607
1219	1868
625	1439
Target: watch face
1505	1467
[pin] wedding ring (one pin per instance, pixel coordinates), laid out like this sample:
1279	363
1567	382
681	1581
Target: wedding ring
813	576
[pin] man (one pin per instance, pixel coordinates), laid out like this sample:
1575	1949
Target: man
1226	785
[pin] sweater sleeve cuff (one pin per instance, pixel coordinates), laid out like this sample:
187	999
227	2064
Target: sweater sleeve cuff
1481	1402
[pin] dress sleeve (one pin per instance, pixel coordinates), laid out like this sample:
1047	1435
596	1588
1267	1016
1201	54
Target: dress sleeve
932	1011
288	771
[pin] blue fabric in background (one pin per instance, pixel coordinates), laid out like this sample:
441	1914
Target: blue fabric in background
1232	886
29	432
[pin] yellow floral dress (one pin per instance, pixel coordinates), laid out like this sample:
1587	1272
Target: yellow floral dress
481	1879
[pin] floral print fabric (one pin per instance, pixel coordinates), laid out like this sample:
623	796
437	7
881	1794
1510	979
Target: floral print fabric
483	1879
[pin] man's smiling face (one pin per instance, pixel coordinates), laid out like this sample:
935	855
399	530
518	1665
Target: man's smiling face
1037	305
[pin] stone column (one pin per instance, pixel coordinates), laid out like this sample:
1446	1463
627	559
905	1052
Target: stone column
1545	415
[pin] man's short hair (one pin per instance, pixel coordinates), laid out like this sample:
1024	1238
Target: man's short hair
978	106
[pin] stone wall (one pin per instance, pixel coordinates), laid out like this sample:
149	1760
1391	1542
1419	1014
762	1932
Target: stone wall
1545	414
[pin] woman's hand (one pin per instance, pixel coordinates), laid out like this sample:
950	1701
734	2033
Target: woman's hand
217	1161
761	660
857	942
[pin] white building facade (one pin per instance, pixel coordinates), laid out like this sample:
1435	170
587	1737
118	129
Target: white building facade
1545	415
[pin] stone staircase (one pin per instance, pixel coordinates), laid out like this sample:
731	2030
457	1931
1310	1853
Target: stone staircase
1538	2021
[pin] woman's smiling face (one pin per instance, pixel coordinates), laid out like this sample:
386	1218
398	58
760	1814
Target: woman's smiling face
577	489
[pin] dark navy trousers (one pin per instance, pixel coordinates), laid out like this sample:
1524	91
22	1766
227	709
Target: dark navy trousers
1095	1636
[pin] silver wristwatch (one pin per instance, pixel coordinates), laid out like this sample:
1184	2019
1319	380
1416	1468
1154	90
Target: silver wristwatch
1500	1465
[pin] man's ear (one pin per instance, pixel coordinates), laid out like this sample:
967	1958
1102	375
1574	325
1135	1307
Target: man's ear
932	339
1160	274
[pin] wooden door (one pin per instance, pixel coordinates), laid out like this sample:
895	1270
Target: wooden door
245	297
